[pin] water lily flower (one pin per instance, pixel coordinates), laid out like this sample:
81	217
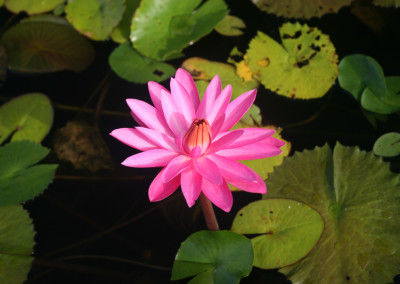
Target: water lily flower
191	141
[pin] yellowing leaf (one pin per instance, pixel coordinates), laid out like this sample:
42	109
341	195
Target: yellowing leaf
302	9
304	66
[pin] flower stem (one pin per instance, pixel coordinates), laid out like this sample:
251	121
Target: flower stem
209	213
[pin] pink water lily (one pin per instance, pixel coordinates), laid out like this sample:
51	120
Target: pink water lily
191	141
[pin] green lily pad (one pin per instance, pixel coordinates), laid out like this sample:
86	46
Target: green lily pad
387	3
133	67
32	6
230	26
161	29
357	72
45	44
121	32
286	230
304	66
204	70
359	198
16	244
388	145
215	257
27	117
95	18
370	101
20	179
305	9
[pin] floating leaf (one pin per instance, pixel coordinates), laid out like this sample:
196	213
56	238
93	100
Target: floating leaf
162	28
214	256
95	18
32	6
230	26
286	230
44	45
359	198
27	117
387	3
205	70
16	244
121	32
357	72
304	66
388	145
305	9
132	66
19	179
83	146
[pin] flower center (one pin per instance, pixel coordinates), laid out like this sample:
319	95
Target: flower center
199	134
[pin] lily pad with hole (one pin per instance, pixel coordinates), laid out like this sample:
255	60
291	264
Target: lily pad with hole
388	145
120	34
161	29
46	44
16	244
285	230
95	18
359	199
302	9
27	117
32	6
20	178
230	26
134	67
213	257
304	66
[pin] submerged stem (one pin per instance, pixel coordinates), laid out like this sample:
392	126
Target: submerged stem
209	213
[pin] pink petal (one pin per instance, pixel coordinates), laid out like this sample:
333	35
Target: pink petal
237	108
191	183
208	169
220	195
160	139
176	166
155	93
175	119
211	94
233	169
240	175
182	100
224	141
248	136
148	115
159	190
220	105
183	77
259	150
150	159
133	138
216	126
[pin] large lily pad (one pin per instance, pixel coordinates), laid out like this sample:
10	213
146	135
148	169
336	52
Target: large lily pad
359	198
95	18
214	257
16	244
133	67
162	28
32	6
45	45
304	9
286	230
20	179
304	66
27	117
121	32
